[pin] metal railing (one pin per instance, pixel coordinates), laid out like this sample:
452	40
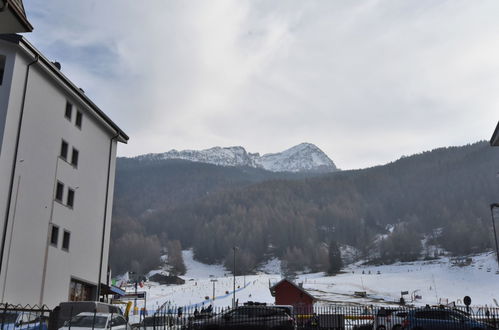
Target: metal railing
254	316
322	317
24	317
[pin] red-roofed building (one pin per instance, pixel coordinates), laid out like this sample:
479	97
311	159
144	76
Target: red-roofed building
288	293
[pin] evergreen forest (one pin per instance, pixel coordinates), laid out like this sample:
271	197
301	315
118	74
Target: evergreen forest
388	213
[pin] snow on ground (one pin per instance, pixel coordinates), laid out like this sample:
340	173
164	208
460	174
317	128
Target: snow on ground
432	280
272	266
436	281
198	270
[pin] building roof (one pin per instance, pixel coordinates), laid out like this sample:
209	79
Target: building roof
111	289
494	140
13	17
51	68
273	287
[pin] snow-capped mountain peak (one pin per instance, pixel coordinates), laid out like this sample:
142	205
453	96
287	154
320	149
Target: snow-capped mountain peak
304	157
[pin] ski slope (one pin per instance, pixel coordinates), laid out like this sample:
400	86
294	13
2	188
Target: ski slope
436	281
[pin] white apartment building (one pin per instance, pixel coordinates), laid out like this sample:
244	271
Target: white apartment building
57	167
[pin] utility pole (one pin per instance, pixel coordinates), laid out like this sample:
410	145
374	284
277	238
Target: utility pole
213	281
234	280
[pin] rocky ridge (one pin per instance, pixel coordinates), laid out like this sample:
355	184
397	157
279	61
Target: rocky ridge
304	157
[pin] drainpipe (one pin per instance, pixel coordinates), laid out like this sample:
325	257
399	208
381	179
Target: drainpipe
14	163
97	296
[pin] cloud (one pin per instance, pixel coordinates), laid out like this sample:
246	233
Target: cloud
365	81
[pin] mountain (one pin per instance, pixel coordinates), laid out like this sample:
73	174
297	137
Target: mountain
146	184
391	212
151	185
304	157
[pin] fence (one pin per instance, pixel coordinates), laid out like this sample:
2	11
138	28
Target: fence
87	315
322	317
253	316
23	317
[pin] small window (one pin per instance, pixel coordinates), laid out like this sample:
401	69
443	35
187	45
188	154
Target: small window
74	157
69	111
81	291
71	197
79	118
59	191
54	235
65	240
64	150
117	321
2	67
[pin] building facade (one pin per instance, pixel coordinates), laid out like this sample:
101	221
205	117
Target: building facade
288	293
13	17
57	163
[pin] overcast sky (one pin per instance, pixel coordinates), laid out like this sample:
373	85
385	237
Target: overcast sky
366	81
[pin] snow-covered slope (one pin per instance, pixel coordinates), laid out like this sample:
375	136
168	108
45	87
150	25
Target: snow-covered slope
428	282
304	157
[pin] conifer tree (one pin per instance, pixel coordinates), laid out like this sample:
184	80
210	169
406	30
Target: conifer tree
335	262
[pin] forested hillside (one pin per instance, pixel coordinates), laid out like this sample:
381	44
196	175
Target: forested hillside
146	187
384	211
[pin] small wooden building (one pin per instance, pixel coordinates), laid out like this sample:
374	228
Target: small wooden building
288	293
166	279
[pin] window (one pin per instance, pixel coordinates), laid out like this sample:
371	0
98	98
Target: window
64	150
81	291
74	157
240	312
455	317
87	321
431	314
117	321
2	67
65	240
79	117
54	235
69	111
28	317
71	197
59	191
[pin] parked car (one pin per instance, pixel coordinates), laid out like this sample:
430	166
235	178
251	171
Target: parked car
155	322
287	308
20	320
67	310
389	319
363	327
92	321
248	317
440	318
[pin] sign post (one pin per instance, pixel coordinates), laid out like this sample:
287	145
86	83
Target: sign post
467	302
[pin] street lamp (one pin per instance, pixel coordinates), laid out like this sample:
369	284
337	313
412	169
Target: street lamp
234	279
213	281
492	206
